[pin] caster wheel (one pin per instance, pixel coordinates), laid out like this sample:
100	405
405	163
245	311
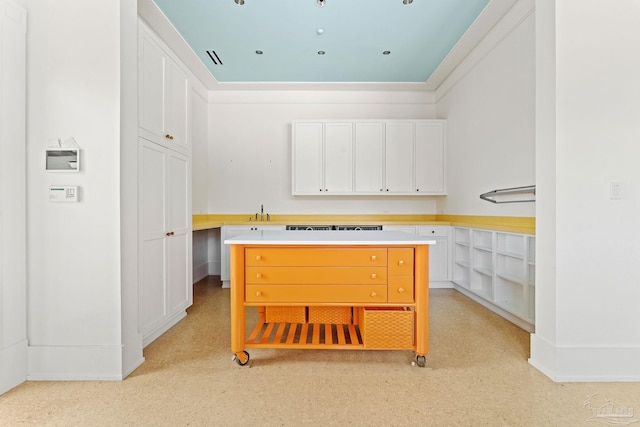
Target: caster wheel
421	361
239	360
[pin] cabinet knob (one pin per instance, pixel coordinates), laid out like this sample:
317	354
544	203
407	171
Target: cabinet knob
374	257
387	189
258	257
259	276
374	275
258	294
417	189
321	189
169	136
400	290
170	233
401	262
373	294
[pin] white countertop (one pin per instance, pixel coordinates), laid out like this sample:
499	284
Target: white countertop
268	237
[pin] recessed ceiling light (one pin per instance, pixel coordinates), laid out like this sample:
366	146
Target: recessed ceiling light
241	2
321	3
259	52
403	1
386	52
321	52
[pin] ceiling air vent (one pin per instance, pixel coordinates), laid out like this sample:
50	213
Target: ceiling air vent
214	57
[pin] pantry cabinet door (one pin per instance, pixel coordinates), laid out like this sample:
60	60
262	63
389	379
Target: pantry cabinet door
179	289
152	202
176	107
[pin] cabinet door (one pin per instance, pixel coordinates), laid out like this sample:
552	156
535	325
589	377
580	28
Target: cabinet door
369	157
438	253
151	86
176	102
179	271
429	157
152	202
399	157
338	158
165	248
307	158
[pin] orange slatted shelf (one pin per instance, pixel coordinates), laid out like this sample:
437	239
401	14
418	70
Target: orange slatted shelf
305	335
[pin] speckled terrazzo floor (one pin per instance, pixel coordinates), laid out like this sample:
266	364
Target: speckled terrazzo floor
477	374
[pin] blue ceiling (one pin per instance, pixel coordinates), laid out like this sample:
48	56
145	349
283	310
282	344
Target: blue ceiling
353	34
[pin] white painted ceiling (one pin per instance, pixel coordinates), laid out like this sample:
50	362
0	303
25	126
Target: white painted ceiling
342	42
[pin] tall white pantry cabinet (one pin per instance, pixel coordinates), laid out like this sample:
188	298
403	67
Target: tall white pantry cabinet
164	187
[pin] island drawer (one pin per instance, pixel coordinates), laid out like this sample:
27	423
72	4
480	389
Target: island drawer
316	257
400	289
355	294
317	275
401	262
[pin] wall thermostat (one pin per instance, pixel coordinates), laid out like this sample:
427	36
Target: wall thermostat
63	193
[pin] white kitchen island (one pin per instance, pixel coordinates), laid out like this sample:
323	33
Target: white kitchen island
330	290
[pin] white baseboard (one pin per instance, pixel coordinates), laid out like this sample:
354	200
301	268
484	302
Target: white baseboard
563	363
152	335
13	366
440	285
74	362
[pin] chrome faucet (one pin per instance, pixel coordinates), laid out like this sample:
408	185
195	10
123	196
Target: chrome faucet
261	212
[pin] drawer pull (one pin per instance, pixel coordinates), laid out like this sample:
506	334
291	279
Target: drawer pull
401	262
374	275
400	290
374	257
258	294
258	257
373	294
259	276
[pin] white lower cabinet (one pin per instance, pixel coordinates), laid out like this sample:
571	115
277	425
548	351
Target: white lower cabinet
497	269
229	231
439	265
165	239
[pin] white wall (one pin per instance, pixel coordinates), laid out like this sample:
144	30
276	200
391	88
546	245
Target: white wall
489	104
13	266
250	146
590	133
74	275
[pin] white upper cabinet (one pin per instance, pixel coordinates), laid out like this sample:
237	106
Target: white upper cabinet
338	158
369	157
430	157
307	158
163	113
322	158
401	157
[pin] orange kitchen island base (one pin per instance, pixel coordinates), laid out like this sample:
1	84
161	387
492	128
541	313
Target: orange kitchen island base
380	289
